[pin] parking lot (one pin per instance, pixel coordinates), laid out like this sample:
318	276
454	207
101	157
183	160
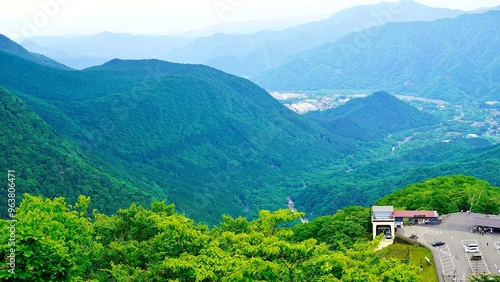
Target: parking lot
451	260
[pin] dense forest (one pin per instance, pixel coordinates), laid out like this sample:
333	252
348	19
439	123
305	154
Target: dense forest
187	133
58	241
48	164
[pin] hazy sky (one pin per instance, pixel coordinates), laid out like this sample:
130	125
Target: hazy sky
21	18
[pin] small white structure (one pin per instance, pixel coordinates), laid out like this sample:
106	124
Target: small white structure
383	223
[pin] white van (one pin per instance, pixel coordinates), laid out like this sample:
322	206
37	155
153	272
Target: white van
471	249
472	246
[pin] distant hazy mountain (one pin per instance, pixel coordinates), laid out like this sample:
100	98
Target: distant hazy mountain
238	27
86	51
12	47
371	118
450	59
247	55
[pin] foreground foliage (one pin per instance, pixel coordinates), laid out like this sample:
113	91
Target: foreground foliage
56	241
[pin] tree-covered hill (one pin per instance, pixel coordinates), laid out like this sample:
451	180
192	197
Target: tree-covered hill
447	195
450	59
47	164
372	118
213	142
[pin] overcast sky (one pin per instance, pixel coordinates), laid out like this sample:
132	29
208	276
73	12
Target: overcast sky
22	18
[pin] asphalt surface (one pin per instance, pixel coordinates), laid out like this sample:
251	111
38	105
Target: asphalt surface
452	263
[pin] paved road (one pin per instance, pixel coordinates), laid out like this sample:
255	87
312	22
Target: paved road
451	259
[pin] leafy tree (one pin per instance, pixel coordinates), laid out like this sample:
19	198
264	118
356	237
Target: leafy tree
57	242
53	240
339	231
485	278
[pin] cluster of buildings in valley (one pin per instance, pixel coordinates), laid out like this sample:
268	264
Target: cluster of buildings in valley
303	103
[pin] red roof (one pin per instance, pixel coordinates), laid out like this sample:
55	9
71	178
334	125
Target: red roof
415	214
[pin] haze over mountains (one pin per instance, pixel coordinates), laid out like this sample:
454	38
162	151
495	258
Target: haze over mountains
239	54
81	52
247	55
11	47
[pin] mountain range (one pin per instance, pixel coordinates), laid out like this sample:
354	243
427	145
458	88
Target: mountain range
241	54
247	55
449	59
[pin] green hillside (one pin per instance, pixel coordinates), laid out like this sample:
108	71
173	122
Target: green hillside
447	195
60	243
450	59
47	164
372	118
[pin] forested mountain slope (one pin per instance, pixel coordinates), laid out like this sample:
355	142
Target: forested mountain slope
327	190
47	164
212	142
451	59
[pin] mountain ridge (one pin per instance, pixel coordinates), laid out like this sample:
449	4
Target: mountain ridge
438	59
9	46
247	55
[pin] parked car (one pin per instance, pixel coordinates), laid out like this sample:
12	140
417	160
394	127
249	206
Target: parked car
388	235
471	250
476	257
437	243
433	222
497	245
